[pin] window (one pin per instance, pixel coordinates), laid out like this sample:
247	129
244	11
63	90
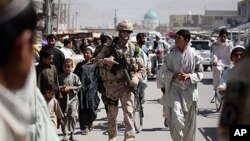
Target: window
218	17
200	45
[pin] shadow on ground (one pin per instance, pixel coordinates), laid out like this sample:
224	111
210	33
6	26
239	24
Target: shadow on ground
102	119
103	127
209	113
154	129
152	101
207	81
60	134
151	78
209	133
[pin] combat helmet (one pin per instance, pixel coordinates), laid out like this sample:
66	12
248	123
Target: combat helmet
124	25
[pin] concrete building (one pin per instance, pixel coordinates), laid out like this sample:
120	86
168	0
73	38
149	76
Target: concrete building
59	19
244	21
211	20
163	28
214	19
191	22
244	11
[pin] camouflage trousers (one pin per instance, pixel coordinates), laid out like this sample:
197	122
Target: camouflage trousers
115	92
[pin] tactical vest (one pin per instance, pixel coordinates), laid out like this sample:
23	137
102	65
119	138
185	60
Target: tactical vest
131	53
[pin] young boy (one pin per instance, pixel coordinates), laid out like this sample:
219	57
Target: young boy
46	72
69	86
58	54
55	111
88	98
236	55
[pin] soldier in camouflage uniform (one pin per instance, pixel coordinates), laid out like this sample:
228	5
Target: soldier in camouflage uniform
117	87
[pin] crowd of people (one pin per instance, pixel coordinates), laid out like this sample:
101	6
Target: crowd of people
72	94
56	93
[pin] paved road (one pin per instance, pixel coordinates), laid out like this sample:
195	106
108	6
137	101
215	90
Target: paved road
154	129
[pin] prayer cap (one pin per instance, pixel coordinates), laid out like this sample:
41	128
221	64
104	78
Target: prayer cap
9	9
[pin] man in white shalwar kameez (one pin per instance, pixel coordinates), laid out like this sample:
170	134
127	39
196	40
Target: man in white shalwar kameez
40	128
221	51
182	71
17	25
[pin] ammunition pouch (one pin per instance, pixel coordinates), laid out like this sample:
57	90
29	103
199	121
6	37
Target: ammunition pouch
107	75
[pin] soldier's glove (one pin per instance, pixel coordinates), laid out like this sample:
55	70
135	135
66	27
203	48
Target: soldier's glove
109	62
100	62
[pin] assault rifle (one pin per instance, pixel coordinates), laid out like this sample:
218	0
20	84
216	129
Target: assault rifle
123	64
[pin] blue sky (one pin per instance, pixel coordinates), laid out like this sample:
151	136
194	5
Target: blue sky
94	13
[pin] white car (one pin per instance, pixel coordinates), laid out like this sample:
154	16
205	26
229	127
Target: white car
149	45
204	49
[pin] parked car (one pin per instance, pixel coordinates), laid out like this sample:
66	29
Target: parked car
149	45
203	47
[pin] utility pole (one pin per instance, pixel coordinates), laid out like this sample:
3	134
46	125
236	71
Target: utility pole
48	12
58	15
115	19
73	18
69	14
76	19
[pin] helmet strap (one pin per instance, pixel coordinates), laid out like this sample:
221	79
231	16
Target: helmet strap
123	41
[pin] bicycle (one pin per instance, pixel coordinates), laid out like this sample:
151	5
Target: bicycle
218	100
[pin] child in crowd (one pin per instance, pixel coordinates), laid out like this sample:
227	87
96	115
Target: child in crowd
46	72
237	54
55	111
88	98
69	86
